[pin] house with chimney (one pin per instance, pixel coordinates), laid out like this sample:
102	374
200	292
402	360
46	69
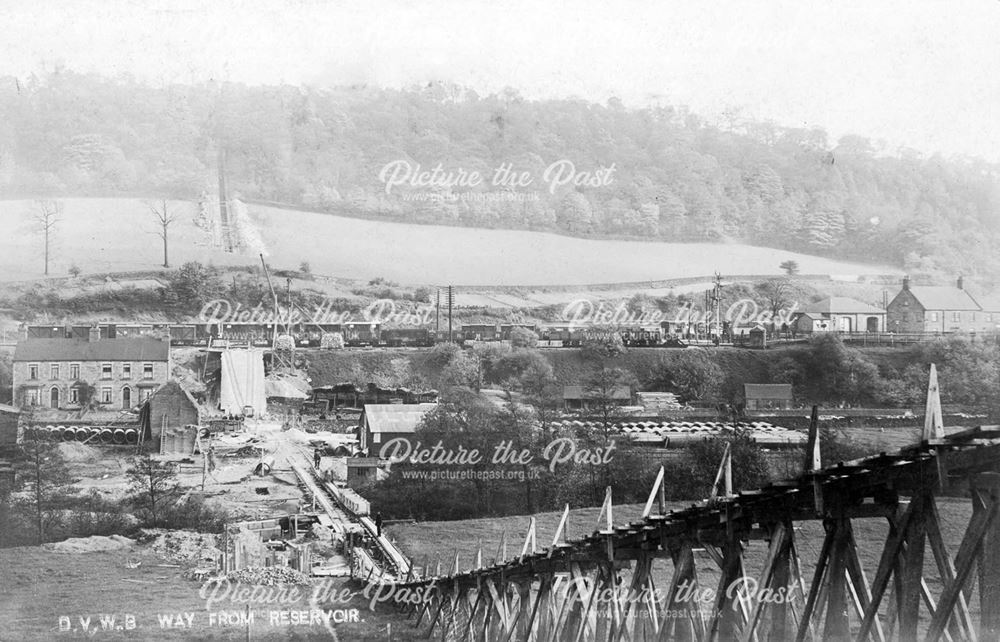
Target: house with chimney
937	308
97	372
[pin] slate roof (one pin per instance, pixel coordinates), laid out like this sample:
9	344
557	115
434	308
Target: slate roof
943	297
989	303
124	349
396	418
841	305
174	383
767	390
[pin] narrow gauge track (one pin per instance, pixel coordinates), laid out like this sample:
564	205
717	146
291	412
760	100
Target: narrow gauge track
395	566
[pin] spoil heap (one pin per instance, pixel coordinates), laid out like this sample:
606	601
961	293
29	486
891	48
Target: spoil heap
267	576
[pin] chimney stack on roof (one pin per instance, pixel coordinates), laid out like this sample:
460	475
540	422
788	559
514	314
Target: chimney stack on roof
906	282
961	282
94	334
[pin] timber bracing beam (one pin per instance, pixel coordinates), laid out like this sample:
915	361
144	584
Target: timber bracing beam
643	590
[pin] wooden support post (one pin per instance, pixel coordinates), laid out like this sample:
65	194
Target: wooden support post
724	621
777	556
654	493
909	610
437	614
814	589
684	579
838	627
859	583
800	586
983	520
529	540
501	554
724	475
985	502
561	528
472	616
814	460
933	423
531	624
962	625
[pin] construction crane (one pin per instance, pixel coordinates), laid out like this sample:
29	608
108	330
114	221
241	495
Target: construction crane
280	359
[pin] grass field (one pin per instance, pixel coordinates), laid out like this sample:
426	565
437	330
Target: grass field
102	235
38	588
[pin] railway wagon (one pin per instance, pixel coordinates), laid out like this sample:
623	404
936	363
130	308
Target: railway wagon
186	334
406	337
255	334
361	333
642	336
47	332
560	336
479	332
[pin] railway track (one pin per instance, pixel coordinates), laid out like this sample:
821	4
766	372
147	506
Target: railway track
388	563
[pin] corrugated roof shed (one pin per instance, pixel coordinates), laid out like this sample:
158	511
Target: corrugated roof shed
767	391
578	392
943	297
125	349
841	305
761	431
396	418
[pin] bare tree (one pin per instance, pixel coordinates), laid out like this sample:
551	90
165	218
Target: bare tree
776	294
45	216
163	219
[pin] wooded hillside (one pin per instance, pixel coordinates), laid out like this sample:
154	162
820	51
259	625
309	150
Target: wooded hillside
675	177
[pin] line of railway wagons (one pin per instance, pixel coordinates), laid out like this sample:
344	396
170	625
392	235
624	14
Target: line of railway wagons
362	333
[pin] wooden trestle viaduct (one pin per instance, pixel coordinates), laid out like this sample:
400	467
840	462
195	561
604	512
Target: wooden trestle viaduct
648	580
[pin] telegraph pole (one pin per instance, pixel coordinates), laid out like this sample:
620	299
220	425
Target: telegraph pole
451	302
717	299
437	316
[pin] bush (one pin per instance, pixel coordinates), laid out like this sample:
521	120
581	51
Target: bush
193	513
750	469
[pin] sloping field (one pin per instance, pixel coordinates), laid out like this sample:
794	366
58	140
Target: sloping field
100	235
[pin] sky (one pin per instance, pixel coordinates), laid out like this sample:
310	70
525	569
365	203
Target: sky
913	73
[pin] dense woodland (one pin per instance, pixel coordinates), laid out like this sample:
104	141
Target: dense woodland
676	177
